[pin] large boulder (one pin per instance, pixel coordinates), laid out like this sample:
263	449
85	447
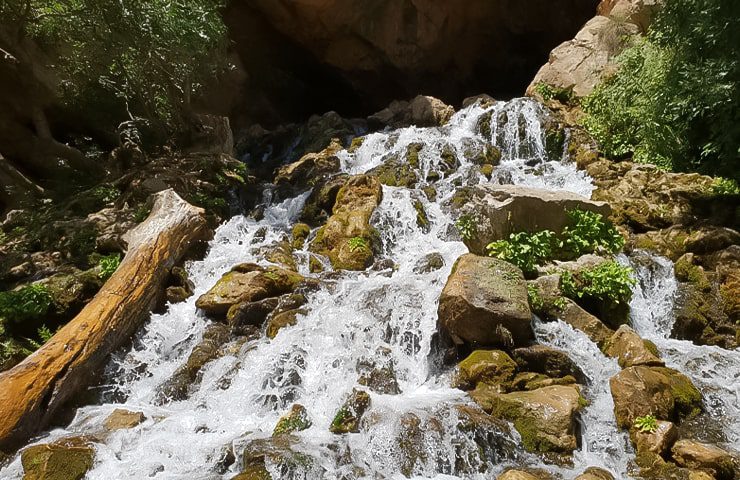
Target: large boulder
484	302
545	418
658	441
347	239
630	349
529	474
65	459
488	366
595	473
499	210
310	170
693	454
422	111
546	360
663	392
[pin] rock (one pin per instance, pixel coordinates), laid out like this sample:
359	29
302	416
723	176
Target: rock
639	12
396	172
429	263
293	421
594	473
122	419
347	239
708	239
545	418
658	442
209	134
492	367
500	210
281	253
283	319
181	288
422	111
280	452
299	234
630	350
693	454
347	419
65	459
320	202
310	170
378	373
484	302
663	392
546	360
247	285
513	474
578	65
533	381
251	313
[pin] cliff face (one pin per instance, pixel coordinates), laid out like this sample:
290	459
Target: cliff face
373	52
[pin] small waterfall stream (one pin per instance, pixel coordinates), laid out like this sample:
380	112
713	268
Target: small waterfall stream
358	316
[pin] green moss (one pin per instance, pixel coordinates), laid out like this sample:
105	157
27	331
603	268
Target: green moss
300	233
486	170
688	272
356	144
412	154
421	216
651	347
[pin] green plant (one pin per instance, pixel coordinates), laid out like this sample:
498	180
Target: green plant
535	300
44	333
142	212
106	193
356	243
608	281
725	186
525	250
548	92
588	231
108	264
466	226
646	424
560	303
28	303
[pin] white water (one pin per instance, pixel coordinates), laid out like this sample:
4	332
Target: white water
242	394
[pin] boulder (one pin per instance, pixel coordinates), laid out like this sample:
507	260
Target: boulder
378	373
545	418
546	360
630	349
347	238
320	202
283	319
347	419
247	283
499	210
422	111
65	459
484	302
595	473
693	454
293	421
429	263
310	170
663	392
639	12
658	442
278	451
492	367
122	419
529	474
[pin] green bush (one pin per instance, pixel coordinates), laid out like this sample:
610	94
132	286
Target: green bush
646	424
589	231
525	250
28	303
607	282
108	265
675	100
466	226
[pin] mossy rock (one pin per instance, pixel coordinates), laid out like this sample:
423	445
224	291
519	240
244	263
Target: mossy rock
65	459
421	216
395	173
293	421
347	418
299	234
488	366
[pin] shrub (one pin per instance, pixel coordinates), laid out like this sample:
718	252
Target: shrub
466	226
607	282
108	265
589	231
29	303
725	186
525	250
535	300
646	424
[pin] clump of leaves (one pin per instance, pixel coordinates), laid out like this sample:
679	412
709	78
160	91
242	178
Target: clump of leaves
106	193
466	226
607	282
725	186
356	243
535	300
646	424
109	264
589	231
142	212
27	303
548	92
44	333
525	250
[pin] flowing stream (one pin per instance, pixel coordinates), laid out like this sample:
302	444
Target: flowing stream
381	315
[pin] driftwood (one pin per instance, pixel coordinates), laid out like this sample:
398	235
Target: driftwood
33	391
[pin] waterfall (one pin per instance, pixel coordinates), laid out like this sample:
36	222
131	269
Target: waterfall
354	316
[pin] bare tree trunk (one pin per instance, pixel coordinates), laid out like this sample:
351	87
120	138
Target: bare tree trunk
32	392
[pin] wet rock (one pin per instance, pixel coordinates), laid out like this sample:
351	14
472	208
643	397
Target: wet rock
281	253
65	459
484	302
320	202
378	373
595	473
546	360
658	442
247	283
663	392
283	319
279	451
181	287
122	419
528	474
492	367
299	235
708	239
293	421
500	210
630	349
310	170
693	454
422	111
545	418
347	239
70	292
429	263
347	419
251	313
396	172
702	316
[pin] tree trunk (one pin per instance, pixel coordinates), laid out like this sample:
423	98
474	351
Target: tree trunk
16	187
32	392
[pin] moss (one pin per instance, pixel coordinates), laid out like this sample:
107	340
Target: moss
294	421
688	272
487	170
651	347
412	154
300	233
421	216
314	265
687	398
356	144
583	402
484	124
430	192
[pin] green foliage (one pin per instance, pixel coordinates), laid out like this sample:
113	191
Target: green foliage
525	250
356	243
28	303
106	193
725	186
608	282
136	58
142	212
589	231
44	333
109	264
560	303
646	424
466	226
535	300
675	101
548	92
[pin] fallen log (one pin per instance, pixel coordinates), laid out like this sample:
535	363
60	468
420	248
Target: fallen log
34	390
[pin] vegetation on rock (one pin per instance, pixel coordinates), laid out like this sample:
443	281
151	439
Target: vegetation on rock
647	423
607	282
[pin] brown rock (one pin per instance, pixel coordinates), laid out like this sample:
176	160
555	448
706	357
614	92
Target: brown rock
630	349
594	473
693	454
659	441
65	459
484	302
283	319
121	419
489	366
513	474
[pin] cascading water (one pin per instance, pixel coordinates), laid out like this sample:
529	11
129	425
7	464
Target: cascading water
382	313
